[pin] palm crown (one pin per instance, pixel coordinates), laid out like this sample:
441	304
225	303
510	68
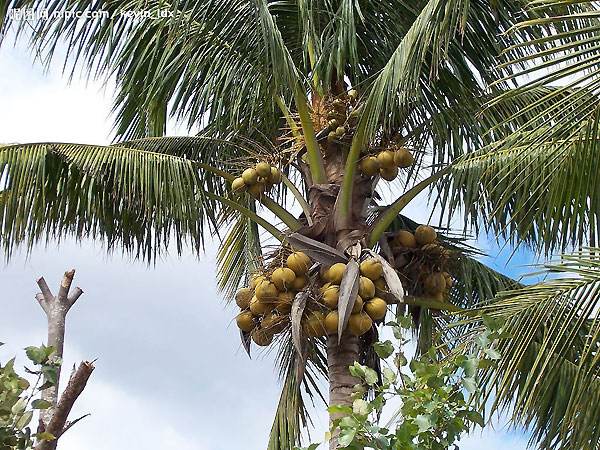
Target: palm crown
269	81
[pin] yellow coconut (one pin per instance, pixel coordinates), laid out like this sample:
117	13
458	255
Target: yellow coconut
238	185
369	166
256	279
245	321
403	158
282	278
331	322
263	169
314	324
353	94
449	280
323	288
405	239
371	268
434	283
358	305
376	308
360	323
380	284
243	297
386	159
366	288
275	176
335	273
388	173
424	235
299	282
331	295
262	337
259	308
299	262
250	176
274	323
340	131
284	302
266	291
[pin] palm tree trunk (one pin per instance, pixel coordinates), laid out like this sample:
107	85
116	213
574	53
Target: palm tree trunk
339	358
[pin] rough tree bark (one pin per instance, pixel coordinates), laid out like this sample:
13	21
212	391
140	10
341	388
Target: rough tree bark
54	419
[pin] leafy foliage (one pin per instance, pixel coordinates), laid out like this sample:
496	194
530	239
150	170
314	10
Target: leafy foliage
17	399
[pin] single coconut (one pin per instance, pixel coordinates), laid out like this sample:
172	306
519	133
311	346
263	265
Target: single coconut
358	305
314	324
282	278
449	280
333	123
238	185
434	283
256	279
331	295
266	291
360	323
274	323
353	94
299	263
376	308
366	288
259	308
380	284
250	176
405	239
331	136
335	273
388	173
299	282
371	268
243	297
340	131
245	321
275	176
331	322
284	302
386	159
263	169
262	337
403	158
424	235
369	166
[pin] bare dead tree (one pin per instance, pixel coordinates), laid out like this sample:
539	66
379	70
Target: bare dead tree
54	420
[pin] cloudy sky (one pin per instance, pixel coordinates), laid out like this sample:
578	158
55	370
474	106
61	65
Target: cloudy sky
170	371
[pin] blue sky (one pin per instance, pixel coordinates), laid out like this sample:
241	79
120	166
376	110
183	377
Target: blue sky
170	371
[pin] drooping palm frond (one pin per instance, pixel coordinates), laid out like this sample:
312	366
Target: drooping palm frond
549	373
547	195
292	415
239	254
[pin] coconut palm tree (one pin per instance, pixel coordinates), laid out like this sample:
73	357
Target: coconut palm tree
310	110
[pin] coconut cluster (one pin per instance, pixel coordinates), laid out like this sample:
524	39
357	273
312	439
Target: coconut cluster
386	163
339	111
257	180
266	304
423	261
368	307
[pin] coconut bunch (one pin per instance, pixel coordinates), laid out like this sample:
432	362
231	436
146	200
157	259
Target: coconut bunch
422	260
368	306
257	180
267	302
386	163
339	113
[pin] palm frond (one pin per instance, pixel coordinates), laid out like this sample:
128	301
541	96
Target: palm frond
136	199
549	373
